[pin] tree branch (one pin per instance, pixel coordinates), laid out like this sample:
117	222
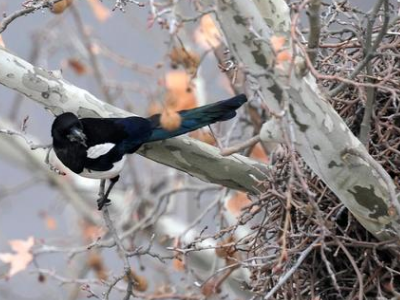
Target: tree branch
23	12
188	155
315	28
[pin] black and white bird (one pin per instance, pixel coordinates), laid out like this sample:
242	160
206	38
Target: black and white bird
97	147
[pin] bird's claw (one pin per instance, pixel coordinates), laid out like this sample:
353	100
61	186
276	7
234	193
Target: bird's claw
102	202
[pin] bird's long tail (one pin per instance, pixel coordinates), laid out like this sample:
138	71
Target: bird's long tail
196	118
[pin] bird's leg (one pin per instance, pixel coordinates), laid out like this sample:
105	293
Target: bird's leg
102	187
104	196
112	182
101	201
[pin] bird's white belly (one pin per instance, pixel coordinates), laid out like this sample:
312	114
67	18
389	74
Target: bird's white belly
113	172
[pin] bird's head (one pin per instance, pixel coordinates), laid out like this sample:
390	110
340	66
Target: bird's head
67	128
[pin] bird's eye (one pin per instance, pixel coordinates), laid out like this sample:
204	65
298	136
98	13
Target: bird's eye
76	134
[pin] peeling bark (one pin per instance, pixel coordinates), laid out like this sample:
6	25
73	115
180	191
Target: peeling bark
188	155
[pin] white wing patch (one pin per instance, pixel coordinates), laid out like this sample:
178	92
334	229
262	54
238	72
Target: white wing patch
114	171
99	150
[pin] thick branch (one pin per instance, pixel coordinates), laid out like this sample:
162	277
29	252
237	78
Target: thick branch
191	156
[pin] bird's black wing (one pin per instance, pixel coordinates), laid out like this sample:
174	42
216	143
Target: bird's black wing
103	130
128	134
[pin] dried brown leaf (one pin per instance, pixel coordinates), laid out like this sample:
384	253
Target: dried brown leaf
101	12
22	256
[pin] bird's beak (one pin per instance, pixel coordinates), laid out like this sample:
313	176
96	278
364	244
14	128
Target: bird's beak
77	135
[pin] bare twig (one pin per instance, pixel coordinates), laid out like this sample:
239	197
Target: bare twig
369	105
32	145
127	268
369	47
234	149
25	11
371	53
356	269
121	4
315	28
87	40
330	270
293	269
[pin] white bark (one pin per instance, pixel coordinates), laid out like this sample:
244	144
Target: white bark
272	132
191	156
320	135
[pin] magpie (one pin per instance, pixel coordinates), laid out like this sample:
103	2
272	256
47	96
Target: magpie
97	147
